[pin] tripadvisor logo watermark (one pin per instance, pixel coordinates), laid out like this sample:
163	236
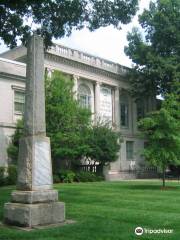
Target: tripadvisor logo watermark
139	231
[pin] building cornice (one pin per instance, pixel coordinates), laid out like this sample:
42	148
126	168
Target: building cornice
88	59
9	76
12	61
7	125
83	66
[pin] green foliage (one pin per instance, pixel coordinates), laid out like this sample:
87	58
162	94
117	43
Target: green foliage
66	176
56	178
2	176
54	18
87	177
104	143
67	122
162	130
13	147
157	55
8	175
12	175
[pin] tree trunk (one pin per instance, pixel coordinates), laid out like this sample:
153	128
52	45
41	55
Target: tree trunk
164	173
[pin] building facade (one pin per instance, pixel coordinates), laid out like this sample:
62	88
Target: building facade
99	84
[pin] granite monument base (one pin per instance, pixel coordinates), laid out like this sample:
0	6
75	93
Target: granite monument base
30	215
30	197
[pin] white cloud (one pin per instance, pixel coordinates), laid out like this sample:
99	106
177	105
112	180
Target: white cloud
106	42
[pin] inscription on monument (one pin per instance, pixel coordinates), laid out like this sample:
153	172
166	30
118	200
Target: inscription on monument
42	165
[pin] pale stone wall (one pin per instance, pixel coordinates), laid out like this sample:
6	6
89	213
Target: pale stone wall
9	81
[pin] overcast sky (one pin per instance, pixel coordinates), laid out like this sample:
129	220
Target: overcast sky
106	42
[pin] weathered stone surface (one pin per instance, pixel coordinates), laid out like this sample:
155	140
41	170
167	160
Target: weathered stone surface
34	196
34	164
29	215
34	115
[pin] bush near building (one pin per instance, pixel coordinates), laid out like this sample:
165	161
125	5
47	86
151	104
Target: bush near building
8	175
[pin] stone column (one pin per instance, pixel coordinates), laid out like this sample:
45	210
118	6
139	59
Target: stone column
34	202
115	166
117	108
75	86
97	101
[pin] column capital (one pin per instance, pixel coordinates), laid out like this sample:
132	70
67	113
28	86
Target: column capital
98	83
76	77
116	88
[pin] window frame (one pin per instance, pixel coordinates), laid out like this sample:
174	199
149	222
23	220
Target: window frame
124	102
16	90
86	97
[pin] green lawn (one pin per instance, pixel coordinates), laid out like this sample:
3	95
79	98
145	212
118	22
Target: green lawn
108	211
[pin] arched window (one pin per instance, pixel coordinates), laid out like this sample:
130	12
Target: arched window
124	104
84	96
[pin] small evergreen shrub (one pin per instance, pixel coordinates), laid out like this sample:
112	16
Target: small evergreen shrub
66	176
56	179
87	177
12	175
2	176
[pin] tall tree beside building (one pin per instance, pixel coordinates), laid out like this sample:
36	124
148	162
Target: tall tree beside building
156	58
54	18
162	130
156	52
66	121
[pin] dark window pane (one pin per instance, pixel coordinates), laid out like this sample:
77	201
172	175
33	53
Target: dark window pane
124	115
129	150
19	99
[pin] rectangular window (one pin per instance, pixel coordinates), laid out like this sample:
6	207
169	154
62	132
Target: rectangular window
19	100
129	150
124	115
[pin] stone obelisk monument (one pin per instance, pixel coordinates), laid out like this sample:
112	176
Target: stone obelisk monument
34	202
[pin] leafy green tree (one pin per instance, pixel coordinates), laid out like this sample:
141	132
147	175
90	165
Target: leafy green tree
55	18
66	121
13	147
104	143
162	130
156	52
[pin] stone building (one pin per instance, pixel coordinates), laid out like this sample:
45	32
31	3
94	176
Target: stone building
99	84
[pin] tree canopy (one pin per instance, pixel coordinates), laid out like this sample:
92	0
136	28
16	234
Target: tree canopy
156	52
56	18
66	122
104	143
162	130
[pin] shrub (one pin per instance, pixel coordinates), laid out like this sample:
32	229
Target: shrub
56	178
87	177
66	176
2	176
12	174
